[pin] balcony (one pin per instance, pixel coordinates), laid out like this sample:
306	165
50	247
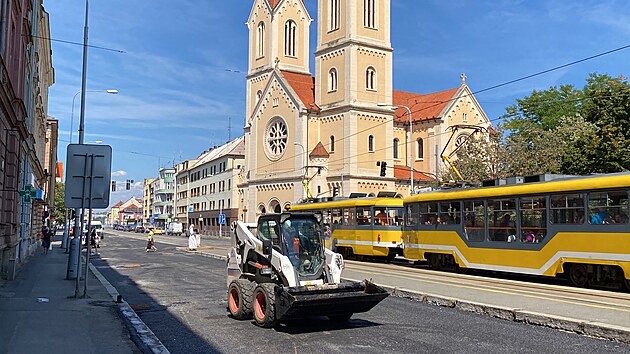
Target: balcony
165	191
160	203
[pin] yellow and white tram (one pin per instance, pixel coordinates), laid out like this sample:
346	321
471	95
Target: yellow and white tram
361	226
573	226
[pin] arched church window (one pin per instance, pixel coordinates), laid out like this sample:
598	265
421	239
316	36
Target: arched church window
332	80
290	38
258	96
370	79
260	42
420	144
334	15
371	143
332	143
396	148
369	13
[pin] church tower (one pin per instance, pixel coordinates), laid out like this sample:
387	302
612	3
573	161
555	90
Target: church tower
278	36
353	65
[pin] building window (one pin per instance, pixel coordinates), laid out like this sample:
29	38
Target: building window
371	143
332	143
334	15
369	11
276	102
370	79
396	148
420	143
260	43
258	96
290	35
465	118
332	80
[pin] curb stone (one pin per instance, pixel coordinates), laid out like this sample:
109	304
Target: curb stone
140	333
593	329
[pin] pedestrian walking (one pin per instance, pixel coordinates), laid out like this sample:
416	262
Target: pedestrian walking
46	235
192	238
150	242
93	242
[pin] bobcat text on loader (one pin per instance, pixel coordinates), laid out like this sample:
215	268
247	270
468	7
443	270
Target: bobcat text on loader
280	270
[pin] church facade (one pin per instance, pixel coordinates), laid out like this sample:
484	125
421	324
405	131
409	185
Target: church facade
322	135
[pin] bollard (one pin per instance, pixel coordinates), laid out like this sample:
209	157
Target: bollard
64	240
73	259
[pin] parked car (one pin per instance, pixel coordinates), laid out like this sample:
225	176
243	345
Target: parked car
158	231
175	228
140	229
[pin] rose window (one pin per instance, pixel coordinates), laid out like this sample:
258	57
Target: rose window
277	137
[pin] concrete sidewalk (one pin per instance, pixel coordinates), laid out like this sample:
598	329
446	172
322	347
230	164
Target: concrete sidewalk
61	324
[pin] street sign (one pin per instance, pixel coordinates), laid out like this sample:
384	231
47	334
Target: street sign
221	219
88	176
191	209
151	220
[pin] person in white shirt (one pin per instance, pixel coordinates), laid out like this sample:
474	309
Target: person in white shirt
192	239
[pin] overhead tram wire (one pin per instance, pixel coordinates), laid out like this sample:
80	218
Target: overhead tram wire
480	91
77	43
127	151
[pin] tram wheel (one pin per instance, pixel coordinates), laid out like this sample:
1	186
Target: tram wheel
578	275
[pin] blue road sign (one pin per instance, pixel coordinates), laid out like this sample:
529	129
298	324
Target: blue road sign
151	220
221	219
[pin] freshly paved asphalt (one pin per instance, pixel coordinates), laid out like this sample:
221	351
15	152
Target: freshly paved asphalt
181	297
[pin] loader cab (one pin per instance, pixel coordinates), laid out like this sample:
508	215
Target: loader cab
298	236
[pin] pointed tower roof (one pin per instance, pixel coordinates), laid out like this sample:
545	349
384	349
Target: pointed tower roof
319	152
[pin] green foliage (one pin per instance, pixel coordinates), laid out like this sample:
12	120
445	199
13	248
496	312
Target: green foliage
479	159
571	131
59	210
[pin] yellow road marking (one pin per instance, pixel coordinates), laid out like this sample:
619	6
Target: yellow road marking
505	292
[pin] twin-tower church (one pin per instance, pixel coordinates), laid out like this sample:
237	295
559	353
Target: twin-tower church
332	128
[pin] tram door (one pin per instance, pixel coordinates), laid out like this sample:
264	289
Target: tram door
365	236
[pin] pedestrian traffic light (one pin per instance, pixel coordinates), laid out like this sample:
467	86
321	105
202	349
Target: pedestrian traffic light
113	186
128	185
383	168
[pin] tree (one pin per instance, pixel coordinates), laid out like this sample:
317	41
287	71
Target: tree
59	210
479	159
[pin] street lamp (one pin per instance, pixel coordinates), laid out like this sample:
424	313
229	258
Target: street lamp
111	92
410	137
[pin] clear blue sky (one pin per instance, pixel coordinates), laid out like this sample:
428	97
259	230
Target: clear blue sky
176	96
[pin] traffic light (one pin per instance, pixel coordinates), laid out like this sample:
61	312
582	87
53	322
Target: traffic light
383	168
73	214
335	191
128	185
113	186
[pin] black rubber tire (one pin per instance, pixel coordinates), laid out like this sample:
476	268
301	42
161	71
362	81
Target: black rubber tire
343	318
578	275
264	303
240	296
627	282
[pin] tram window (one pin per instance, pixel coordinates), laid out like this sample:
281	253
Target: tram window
608	207
336	216
501	220
412	215
567	209
388	216
348	216
428	213
364	216
474	220
450	213
326	216
533	219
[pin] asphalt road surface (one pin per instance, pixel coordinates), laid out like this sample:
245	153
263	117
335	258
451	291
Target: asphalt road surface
181	296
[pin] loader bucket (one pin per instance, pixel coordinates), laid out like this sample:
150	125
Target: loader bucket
327	300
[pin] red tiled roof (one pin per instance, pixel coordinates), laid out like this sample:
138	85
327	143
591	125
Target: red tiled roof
422	107
275	3
319	151
304	87
117	205
403	172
